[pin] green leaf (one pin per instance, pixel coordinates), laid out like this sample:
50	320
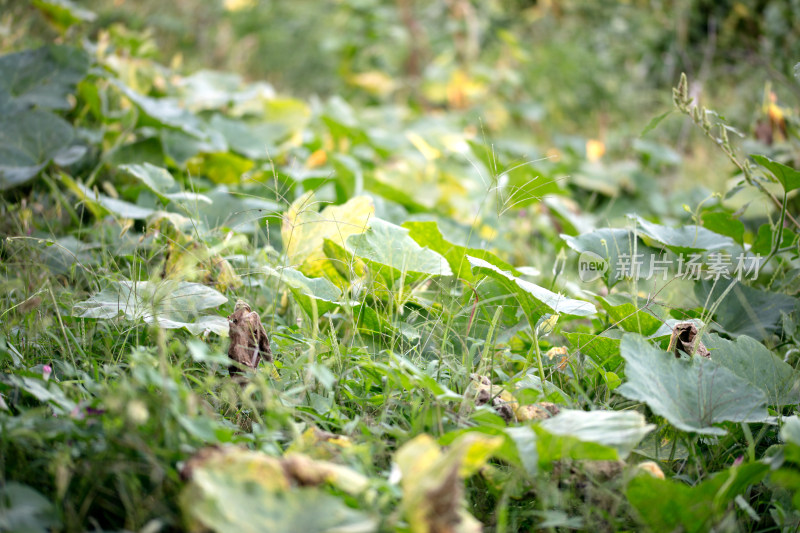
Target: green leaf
692	395
654	122
685	239
167	304
535	301
790	432
667	505
724	224
23	509
100	203
603	349
164	111
551	448
29	140
220	167
610	245
316	296
620	430
751	360
786	175
239	211
161	182
764	241
391	253
64	13
254	141
427	234
746	310
628	317
42	78
47	392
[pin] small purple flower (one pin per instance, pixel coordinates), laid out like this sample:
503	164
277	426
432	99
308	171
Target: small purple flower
739	460
46	371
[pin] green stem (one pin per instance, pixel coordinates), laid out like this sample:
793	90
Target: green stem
538	358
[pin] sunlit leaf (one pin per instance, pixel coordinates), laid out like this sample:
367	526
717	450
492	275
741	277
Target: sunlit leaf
427	234
305	229
684	239
161	182
535	301
391	253
100	203
316	296
620	430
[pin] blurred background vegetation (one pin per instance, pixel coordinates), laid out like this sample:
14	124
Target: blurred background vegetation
553	65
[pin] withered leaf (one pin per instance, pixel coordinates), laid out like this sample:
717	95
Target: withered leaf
249	340
684	338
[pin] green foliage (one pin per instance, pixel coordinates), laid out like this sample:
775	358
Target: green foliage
459	262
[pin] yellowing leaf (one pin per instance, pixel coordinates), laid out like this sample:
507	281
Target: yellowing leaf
220	167
238	5
433	490
317	159
374	81
428	152
305	229
595	150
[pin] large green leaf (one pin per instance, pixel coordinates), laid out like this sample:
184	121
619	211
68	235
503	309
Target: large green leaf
240	210
684	239
616	247
391	253
161	182
42	78
752	361
620	430
427	234
629	317
316	296
692	395
168	304
254	141
789	177
29	140
23	509
164	111
746	310
535	301
603	349
725	224
101	204
667	505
